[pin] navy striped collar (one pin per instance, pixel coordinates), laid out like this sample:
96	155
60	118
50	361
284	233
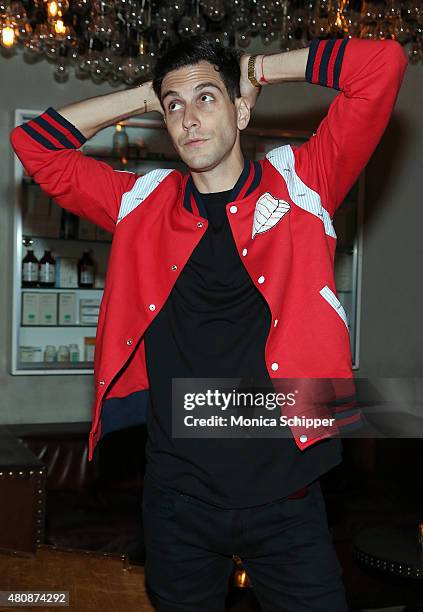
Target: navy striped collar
247	182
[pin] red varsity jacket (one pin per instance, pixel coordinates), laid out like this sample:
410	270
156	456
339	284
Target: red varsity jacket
282	229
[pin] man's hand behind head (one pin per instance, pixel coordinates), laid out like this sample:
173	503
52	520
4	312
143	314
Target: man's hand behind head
149	102
248	90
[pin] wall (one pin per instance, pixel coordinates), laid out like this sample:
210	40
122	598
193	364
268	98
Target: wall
26	399
392	296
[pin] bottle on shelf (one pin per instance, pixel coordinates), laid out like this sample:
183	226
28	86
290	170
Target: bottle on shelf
30	265
47	269
141	148
68	225
120	141
74	352
50	353
63	353
86	270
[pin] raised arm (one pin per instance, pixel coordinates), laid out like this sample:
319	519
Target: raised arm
47	147
368	75
94	114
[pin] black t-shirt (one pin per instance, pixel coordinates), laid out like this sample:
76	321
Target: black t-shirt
215	324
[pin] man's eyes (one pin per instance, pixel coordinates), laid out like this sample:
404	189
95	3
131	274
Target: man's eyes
172	105
202	98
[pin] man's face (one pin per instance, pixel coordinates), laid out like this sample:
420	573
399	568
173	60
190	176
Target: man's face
201	120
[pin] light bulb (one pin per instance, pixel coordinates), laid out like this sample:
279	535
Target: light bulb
52	8
56	8
7	36
59	27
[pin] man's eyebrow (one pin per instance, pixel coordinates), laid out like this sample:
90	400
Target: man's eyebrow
170	92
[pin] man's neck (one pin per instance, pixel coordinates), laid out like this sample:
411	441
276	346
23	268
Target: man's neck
221	178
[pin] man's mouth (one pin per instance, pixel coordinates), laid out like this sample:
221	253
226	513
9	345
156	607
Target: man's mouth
195	142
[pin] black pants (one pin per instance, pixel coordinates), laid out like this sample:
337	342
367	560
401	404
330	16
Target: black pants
285	546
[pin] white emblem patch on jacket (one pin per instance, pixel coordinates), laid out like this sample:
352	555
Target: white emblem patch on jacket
268	212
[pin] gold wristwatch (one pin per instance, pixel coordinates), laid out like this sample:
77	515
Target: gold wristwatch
251	71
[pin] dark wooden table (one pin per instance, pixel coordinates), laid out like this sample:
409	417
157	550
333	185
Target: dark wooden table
95	581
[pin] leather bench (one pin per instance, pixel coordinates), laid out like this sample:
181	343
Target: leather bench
90	505
97	505
22	494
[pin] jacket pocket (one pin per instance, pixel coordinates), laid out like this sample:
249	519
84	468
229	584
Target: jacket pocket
331	299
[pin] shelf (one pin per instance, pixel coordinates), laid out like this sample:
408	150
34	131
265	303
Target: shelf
152	158
86	325
29	237
55	365
39	289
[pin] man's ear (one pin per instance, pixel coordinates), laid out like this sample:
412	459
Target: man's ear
243	112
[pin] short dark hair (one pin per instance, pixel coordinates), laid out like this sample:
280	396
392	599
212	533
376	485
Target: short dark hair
191	51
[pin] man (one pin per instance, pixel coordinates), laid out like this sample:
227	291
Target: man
225	272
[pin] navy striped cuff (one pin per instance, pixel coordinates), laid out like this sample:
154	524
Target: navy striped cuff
355	425
324	61
53	131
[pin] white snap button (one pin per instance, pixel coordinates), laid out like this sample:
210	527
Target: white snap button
275	323
261	279
129	342
152	307
244	252
303	439
174	267
233	209
200	224
101	382
274	366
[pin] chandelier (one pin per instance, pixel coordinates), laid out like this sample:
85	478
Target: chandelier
117	42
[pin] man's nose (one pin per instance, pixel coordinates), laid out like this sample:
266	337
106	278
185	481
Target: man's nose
190	118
